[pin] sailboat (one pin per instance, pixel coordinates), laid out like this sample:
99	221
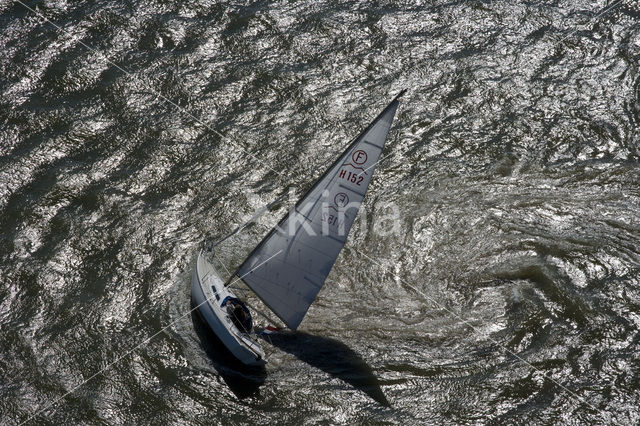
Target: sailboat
287	269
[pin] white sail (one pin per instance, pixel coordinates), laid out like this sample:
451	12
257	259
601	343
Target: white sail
311	236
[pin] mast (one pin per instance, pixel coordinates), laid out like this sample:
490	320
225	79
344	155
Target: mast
290	287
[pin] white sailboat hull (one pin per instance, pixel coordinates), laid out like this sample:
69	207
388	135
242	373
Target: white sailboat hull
208	292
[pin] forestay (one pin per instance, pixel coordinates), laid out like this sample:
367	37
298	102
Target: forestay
308	240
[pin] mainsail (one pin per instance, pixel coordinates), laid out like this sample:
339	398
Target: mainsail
296	257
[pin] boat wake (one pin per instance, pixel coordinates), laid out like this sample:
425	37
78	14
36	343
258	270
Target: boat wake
243	380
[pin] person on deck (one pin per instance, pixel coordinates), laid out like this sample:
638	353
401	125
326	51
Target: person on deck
238	315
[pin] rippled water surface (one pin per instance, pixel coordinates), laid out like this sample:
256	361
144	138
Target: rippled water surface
132	131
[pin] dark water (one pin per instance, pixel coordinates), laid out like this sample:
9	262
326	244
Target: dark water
509	293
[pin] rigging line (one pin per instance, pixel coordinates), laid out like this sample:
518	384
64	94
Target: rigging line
169	101
606	10
244	292
159	94
239	228
153	91
379	160
126	354
519	358
265	316
220	262
353	143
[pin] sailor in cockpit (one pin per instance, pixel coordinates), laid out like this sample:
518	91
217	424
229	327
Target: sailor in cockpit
239	314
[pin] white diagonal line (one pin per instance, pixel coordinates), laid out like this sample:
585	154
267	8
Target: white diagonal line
152	90
495	342
223	137
376	163
129	352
